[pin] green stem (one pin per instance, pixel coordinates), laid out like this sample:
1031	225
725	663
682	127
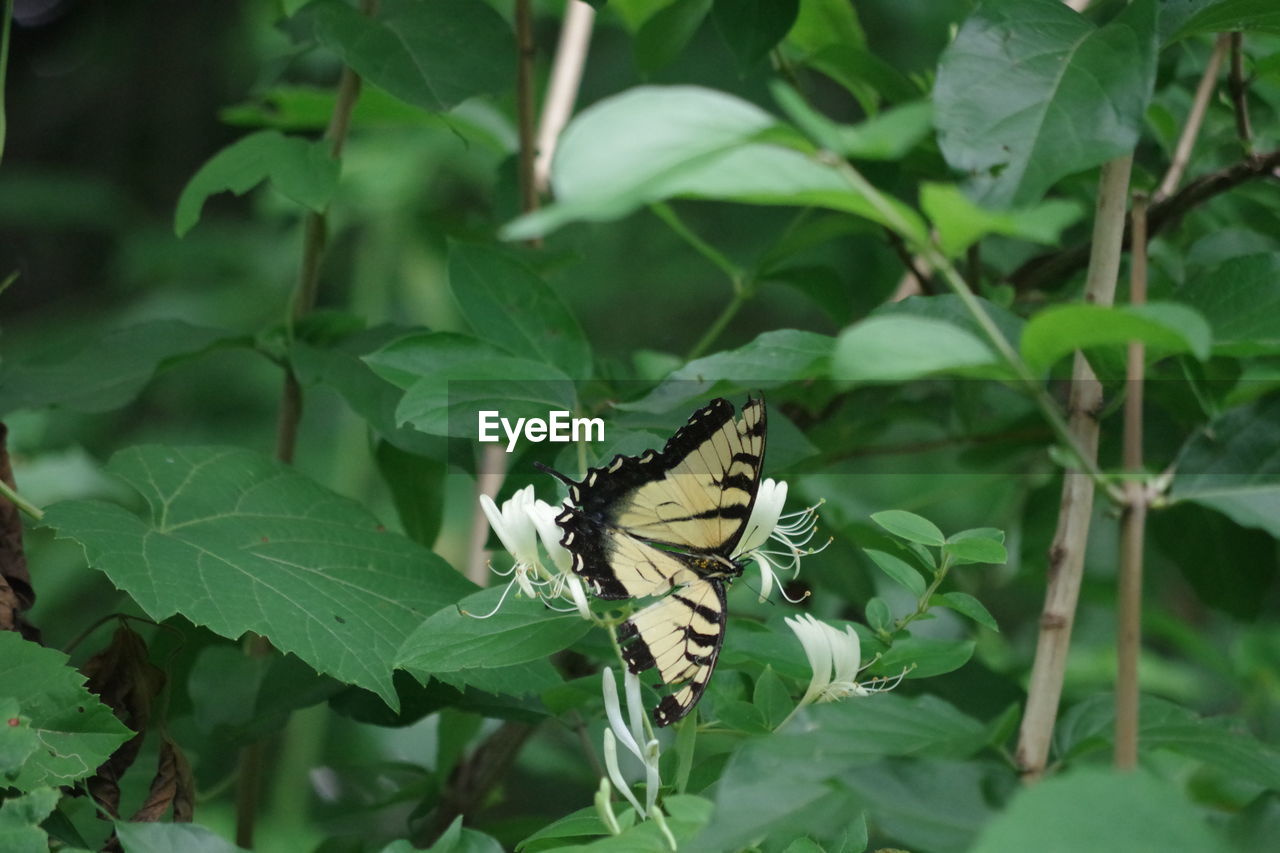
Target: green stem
4	66
713	331
941	264
20	502
664	212
922	606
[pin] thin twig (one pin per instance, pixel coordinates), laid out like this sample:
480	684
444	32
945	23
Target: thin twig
916	280
1066	552
1240	93
1133	521
1060	265
526	51
562	88
251	760
1195	118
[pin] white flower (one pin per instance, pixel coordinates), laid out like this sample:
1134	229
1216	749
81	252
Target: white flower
835	659
520	523
794	531
632	733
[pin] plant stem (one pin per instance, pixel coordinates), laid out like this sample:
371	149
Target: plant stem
1195	118
251	761
562	87
664	212
941	264
1133	521
922	606
1075	510
7	12
1239	93
526	52
20	502
717	326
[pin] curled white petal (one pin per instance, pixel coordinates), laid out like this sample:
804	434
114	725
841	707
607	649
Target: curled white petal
613	710
543	515
611	765
770	498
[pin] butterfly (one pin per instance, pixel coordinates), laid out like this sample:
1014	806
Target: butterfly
666	524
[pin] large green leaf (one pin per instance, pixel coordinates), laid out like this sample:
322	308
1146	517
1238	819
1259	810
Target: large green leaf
1241	300
509	305
298	168
17	739
1031	91
104	374
455	638
238	542
1089	809
432	53
75	731
897	347
772	359
1235	468
450	379
1165	327
653	143
1223	15
20	819
769	779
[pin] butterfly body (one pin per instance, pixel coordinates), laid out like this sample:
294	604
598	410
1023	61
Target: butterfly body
666	523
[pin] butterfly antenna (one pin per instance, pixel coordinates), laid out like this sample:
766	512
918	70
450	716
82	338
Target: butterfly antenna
547	469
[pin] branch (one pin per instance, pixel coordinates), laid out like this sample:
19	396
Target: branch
1239	93
472	780
1133	522
1195	118
1061	265
562	88
250	763
1066	553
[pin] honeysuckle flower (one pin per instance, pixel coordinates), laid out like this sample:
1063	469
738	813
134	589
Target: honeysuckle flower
794	530
836	661
632	733
521	522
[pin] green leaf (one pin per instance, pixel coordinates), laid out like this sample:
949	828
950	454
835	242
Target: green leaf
823	23
1031	91
509	305
238	542
895	348
886	136
433	54
521	630
1224	15
967	605
975	550
768	780
1126	811
923	657
167	837
960	223
455	839
17	739
864	75
1201	542
667	32
20	819
297	168
899	570
105	373
804	845
451	378
374	399
1241	300
689	142
879	616
771	360
1234	469
909	526
584	823
1164	326
772	698
75	731
417	485
752	28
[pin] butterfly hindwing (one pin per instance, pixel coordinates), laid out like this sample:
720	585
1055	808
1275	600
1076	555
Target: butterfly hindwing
666	523
680	636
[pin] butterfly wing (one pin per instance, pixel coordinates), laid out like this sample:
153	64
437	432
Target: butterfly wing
680	636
